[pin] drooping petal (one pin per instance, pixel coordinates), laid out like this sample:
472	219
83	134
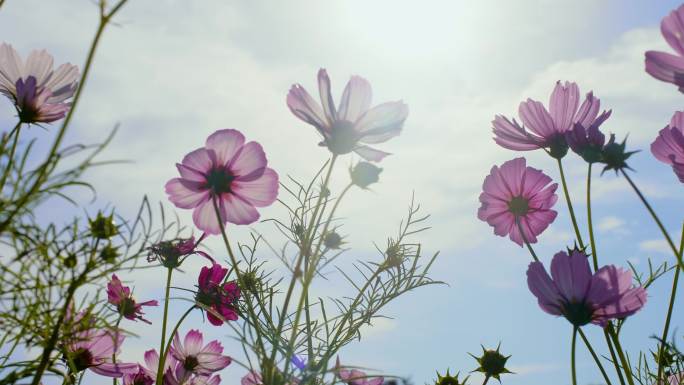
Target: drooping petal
356	99
666	67
371	154
225	144
11	68
509	134
542	287
305	108
588	111
115	370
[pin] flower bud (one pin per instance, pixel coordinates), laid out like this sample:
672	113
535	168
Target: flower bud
332	240
103	227
364	174
614	155
492	363
109	253
447	379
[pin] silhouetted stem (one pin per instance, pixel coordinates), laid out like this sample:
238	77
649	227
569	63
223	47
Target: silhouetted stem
162	357
673	294
527	243
569	202
160	366
573	368
594	356
592	241
116	339
14	134
621	355
613	357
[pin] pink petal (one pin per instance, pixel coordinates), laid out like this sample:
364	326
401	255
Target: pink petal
204	217
563	105
249	162
382	122
512	136
115	370
326	96
588	111
237	210
200	160
536	118
259	192
39	65
305	108
542	287
152	360
193	342
572	275
185	194
225	143
356	99
672	28
370	154
666	67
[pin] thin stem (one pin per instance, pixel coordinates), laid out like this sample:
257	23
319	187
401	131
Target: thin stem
486	380
621	355
594	253
118	321
567	199
673	294
573	367
16	133
527	243
160	366
655	217
613	357
595	356
162	357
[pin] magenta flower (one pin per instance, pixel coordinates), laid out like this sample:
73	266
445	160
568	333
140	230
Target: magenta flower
37	91
121	297
515	196
546	128
669	145
251	378
147	375
172	253
662	65
573	292
197	358
354	123
588	142
355	376
221	298
93	349
227	170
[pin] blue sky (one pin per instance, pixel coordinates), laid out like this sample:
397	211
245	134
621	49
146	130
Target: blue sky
171	72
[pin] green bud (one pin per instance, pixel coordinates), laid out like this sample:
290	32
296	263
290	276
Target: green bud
365	174
614	155
103	227
492	363
109	253
447	379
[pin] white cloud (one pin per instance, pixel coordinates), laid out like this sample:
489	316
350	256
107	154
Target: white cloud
611	224
655	245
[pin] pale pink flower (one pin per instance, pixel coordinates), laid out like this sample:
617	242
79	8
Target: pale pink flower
38	91
515	196
665	66
353	124
572	291
230	171
197	358
668	147
93	349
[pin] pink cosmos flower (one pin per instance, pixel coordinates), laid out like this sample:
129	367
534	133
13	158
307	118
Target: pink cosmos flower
93	349
227	170
196	358
121	297
353	124
220	297
573	292
662	65
147	375
37	91
515	196
669	145
546	128
355	376
588	142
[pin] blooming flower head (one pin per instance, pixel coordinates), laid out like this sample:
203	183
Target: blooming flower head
355	376
665	66
221	298
517	197
669	145
93	349
544	128
572	291
588	142
147	375
353	124
121	297
228	171
197	358
172	253
38	91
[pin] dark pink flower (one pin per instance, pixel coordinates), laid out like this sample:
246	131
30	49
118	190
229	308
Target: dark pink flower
546	128
37	91
669	145
93	349
147	375
172	253
515	196
121	297
353	124
581	297
195	357
588	142
232	172
662	65
355	376
221	298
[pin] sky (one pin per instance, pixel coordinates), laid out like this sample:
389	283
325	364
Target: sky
171	72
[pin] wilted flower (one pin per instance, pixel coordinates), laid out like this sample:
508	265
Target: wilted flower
121	297
355	376
37	91
147	375
196	358
614	155
588	142
492	363
354	123
547	128
662	65
573	292
515	196
103	227
227	170
365	174
169	253
93	349
219	297
448	379
669	145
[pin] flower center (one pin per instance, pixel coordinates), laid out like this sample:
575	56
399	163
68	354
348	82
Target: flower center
127	307
82	359
518	206
219	180
142	379
190	363
578	313
343	137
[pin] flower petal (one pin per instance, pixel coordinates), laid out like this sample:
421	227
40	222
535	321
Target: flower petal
225	143
536	118
238	211
542	287
185	194
563	105
572	275
382	122
370	154
356	99
326	96
261	191
249	162
305	108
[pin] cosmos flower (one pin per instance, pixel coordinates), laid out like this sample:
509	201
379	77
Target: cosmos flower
227	170
355	376
353	124
93	349
121	297
251	378
220	297
665	66
572	291
515	196
197	358
588	142
38	91
669	145
546	128
147	375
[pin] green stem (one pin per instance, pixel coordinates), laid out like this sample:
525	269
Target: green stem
621	355
594	356
162	357
160	366
655	217
486	380
613	357
118	321
594	253
673	294
527	243
15	133
569	202
573	367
